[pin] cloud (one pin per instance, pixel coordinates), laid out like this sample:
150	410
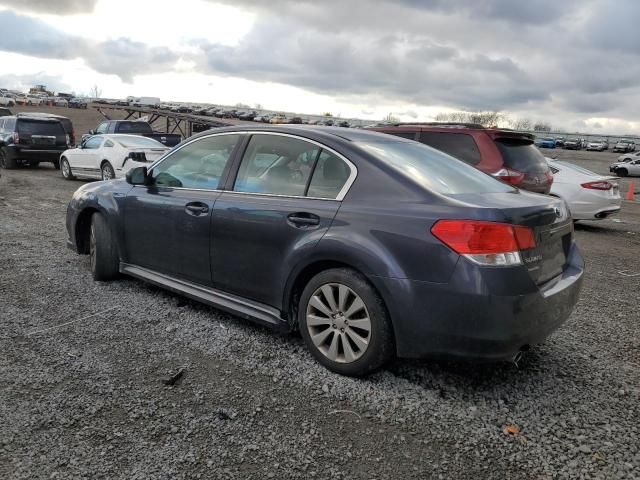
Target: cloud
122	57
55	7
24	82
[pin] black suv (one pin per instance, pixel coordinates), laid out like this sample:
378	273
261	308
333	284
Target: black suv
28	141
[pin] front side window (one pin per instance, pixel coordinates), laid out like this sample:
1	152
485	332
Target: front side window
277	165
329	176
93	143
199	164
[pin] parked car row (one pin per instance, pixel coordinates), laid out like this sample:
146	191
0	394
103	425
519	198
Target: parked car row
598	145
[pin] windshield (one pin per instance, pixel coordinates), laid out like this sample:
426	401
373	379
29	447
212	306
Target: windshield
522	156
137	142
433	169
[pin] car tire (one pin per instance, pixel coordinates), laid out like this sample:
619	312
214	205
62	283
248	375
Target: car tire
103	253
107	171
56	164
622	172
65	169
335	343
6	162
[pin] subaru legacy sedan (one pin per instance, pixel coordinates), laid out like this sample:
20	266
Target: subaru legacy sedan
372	246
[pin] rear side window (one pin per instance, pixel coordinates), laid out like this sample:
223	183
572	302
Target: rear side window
34	127
329	176
199	164
459	145
93	143
433	169
522	156
276	165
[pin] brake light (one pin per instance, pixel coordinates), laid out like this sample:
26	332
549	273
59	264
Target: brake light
510	176
598	185
549	175
16	137
486	243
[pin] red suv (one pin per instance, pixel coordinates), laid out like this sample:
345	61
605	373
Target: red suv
507	155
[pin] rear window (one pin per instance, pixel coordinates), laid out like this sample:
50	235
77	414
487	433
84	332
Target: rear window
522	156
459	145
138	142
133	127
35	127
407	135
571	166
434	170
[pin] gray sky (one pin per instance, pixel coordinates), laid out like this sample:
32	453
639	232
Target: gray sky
572	63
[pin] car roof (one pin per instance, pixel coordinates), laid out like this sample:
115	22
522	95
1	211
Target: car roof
348	134
41	115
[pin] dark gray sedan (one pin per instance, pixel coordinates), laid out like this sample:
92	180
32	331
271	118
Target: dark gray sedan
368	244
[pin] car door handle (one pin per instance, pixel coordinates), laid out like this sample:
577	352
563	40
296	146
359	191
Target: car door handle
196	208
303	219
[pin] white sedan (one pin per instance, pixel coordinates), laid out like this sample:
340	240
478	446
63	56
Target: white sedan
627	167
109	156
590	196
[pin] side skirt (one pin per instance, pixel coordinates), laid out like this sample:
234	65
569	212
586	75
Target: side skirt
247	309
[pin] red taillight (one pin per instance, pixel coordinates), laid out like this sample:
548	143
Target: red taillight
549	175
510	176
598	185
475	237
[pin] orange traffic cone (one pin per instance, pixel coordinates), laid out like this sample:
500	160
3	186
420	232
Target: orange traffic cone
632	191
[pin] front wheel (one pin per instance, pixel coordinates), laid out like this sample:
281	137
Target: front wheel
6	162
65	168
344	323
107	171
103	253
622	172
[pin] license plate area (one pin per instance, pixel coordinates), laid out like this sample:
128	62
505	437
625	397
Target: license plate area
549	258
43	140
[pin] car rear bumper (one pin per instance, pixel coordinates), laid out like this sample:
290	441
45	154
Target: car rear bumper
481	313
31	154
594	205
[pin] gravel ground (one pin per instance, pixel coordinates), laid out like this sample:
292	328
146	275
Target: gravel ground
84	367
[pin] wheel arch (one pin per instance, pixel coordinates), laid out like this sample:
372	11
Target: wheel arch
82	229
299	279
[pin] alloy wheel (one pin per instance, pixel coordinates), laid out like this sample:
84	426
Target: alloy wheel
338	323
66	170
107	172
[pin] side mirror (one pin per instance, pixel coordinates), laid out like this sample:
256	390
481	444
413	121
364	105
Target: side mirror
92	132
138	176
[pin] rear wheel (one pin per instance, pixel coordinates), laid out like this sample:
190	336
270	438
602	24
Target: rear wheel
65	168
345	323
107	171
102	250
6	162
56	164
622	172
